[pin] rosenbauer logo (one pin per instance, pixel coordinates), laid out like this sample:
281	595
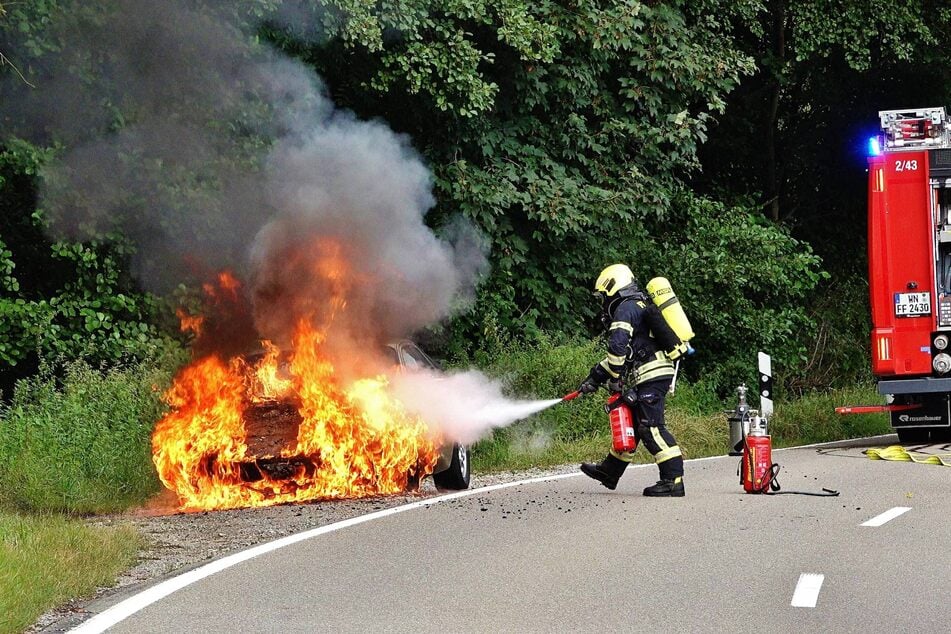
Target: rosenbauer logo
905	418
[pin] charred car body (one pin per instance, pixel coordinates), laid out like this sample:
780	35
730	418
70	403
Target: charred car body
272	426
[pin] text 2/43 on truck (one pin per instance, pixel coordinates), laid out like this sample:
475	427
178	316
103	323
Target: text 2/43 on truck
909	255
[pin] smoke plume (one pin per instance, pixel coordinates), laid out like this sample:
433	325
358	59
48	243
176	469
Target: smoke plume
229	155
233	157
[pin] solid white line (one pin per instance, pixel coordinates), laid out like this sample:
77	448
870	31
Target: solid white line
126	608
122	610
887	516
807	590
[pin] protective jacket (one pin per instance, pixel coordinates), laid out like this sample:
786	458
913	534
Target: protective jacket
638	336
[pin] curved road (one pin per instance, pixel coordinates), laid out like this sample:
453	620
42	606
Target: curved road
566	554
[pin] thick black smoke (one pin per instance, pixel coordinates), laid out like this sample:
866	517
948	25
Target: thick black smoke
230	155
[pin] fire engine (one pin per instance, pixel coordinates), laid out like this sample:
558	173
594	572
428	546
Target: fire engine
909	260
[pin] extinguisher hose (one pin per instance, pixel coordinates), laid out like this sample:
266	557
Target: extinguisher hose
771	486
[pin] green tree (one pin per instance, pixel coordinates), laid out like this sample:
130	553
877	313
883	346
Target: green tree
567	133
568	143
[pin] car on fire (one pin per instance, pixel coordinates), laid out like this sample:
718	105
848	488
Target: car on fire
272	424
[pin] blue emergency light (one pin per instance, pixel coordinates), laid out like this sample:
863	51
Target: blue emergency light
874	146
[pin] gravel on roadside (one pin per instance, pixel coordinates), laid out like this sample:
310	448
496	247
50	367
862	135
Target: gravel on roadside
176	541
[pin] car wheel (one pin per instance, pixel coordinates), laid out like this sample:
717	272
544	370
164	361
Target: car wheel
456	477
912	435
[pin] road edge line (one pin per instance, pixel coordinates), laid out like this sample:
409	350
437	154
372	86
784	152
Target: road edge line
127	607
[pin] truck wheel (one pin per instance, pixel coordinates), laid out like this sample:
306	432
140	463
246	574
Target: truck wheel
912	435
456	477
942	434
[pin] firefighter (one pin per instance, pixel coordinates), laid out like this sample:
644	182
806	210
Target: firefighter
639	365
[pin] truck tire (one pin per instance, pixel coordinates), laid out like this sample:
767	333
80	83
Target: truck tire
457	476
942	434
912	435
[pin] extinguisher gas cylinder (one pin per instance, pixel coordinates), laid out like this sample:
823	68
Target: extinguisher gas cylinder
623	437
757	463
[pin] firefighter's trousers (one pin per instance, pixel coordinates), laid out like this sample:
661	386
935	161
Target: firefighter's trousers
652	433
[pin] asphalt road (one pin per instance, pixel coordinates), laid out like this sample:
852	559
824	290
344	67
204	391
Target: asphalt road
567	555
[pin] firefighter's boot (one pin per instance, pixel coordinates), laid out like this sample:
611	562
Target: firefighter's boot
607	472
666	489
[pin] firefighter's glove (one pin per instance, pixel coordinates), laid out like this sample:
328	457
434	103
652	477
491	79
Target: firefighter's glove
615	385
630	397
588	386
596	378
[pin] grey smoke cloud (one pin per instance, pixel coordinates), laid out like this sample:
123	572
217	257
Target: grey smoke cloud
325	219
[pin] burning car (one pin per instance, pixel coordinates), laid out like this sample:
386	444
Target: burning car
273	424
282	426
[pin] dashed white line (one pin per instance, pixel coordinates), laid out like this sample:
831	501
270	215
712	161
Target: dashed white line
887	516
807	590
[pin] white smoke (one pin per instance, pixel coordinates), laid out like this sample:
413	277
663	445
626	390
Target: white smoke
465	406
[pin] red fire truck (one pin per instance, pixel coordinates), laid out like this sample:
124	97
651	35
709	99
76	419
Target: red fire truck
909	258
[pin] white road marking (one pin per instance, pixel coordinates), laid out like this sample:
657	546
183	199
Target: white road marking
887	516
807	590
126	608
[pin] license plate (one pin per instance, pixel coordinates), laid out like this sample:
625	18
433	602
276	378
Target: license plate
912	304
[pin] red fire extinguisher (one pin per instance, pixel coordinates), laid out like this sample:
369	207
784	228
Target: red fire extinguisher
758	473
623	436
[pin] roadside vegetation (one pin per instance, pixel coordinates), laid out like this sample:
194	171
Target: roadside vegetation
46	559
78	441
716	143
73	442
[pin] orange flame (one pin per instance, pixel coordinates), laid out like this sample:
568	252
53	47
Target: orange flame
283	429
190	323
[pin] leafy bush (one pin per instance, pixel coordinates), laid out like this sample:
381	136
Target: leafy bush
63	299
81	444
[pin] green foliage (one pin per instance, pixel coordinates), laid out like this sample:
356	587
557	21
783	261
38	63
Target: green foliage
745	284
74	300
82	444
595	115
91	316
46	560
548	370
838	353
567	134
812	417
863	31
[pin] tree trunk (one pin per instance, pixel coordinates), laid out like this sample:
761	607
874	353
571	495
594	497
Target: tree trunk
776	86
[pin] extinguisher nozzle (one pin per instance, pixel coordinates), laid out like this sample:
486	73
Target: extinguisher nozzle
572	396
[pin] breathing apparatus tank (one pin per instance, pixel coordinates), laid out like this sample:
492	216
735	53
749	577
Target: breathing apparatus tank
662	294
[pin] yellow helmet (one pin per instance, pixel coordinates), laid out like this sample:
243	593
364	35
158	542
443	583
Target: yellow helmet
613	279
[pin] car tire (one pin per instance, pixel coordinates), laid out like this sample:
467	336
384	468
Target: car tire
912	435
457	476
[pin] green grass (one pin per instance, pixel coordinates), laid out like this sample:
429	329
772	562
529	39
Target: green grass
80	442
48	559
578	431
